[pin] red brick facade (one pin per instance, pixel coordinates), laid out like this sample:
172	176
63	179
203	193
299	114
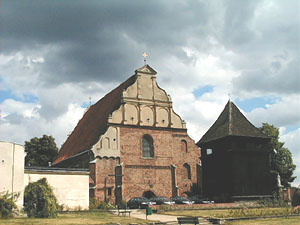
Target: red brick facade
165	174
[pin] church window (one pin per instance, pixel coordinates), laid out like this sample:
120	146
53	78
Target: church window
109	191
184	146
188	173
147	146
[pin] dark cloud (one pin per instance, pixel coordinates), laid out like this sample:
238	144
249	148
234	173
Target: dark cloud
88	39
102	41
14	118
284	80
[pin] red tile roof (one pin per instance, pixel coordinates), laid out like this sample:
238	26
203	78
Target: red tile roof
94	123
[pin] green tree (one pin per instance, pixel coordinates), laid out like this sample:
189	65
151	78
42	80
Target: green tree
7	204
39	200
40	151
281	157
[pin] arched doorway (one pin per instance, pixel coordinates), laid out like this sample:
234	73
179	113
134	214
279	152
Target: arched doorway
148	194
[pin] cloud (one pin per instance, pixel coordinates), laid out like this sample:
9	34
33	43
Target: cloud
291	140
285	112
22	121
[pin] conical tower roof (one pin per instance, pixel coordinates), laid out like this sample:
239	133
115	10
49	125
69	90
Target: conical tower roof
231	122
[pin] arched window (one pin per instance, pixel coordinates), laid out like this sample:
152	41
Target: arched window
187	171
147	146
184	146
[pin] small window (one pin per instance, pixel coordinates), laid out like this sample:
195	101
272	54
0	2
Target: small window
147	146
209	151
184	146
109	191
187	171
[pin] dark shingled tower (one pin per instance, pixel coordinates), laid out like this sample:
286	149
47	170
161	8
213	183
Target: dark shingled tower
235	157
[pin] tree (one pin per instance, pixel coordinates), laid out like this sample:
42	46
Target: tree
281	157
39	200
7	204
40	151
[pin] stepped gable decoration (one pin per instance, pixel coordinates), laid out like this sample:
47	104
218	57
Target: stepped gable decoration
231	122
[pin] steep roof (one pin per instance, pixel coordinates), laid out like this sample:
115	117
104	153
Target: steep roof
231	122
94	123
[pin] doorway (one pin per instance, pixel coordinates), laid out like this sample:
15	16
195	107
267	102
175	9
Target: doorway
148	194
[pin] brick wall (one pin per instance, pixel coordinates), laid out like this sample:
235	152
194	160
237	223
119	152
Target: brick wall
154	174
104	179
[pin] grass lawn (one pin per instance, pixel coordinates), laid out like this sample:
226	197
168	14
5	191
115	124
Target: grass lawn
76	218
275	221
232	213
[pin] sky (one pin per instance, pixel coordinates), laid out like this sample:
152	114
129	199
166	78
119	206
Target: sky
56	55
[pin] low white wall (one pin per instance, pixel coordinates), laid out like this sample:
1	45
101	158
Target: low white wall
71	188
12	169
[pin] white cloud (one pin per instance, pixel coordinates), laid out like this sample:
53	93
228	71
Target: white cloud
292	142
281	114
22	121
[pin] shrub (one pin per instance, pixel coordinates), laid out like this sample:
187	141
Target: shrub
39	200
296	198
7	204
93	203
105	206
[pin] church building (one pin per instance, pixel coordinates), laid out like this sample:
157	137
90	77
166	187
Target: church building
133	143
235	158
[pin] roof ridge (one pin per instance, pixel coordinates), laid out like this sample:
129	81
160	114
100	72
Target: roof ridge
230	118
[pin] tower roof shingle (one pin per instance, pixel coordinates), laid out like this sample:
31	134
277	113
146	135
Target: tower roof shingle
231	122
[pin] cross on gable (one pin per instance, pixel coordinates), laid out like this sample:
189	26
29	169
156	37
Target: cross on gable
145	55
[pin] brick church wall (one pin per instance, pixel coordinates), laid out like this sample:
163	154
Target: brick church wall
104	178
154	174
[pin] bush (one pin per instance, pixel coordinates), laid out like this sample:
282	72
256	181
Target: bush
39	200
7	204
105	206
296	198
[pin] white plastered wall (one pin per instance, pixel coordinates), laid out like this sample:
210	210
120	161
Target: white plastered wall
109	143
12	169
70	189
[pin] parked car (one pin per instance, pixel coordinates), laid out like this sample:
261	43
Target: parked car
207	201
159	200
181	200
139	203
196	199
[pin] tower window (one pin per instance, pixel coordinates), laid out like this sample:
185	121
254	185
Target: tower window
147	146
209	151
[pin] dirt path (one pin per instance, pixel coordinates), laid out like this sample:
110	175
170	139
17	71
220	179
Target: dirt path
141	214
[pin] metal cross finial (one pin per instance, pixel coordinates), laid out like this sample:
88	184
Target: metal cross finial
229	96
90	101
145	56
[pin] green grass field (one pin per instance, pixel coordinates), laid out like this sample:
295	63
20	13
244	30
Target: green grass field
88	218
75	218
275	221
232	213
